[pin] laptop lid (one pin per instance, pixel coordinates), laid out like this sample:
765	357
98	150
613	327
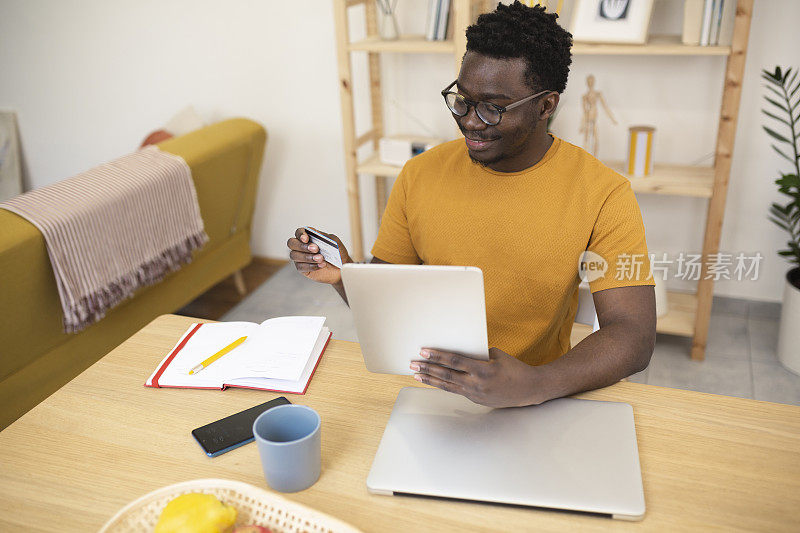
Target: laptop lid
400	309
567	454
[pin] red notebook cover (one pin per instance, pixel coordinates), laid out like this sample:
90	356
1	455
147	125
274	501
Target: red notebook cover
180	346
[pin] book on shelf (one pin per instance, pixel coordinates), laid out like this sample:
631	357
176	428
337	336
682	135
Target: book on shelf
433	20
444	18
438	19
726	25
705	33
692	21
280	354
716	19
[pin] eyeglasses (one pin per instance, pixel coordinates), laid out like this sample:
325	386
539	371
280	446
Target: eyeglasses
488	112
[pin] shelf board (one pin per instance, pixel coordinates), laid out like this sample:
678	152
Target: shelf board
579	332
666	179
373	165
679	320
676	180
657	45
407	44
663	45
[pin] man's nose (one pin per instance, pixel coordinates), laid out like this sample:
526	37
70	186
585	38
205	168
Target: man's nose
471	121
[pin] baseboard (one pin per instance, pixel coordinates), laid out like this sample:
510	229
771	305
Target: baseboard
270	260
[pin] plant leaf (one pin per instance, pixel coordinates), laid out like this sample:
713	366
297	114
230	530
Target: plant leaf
779	223
777	135
788	180
769	74
786	253
776	117
791	81
786	75
773	102
791	160
791	94
779	216
778	210
775	91
772	80
791	91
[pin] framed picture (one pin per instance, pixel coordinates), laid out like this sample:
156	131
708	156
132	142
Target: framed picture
611	21
10	173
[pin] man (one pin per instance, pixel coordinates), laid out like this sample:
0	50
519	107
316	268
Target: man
523	206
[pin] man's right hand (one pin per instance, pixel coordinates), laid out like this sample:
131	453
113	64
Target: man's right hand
310	263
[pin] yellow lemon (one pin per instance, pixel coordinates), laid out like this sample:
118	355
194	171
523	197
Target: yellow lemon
196	513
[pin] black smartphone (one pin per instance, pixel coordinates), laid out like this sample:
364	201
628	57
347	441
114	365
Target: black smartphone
232	431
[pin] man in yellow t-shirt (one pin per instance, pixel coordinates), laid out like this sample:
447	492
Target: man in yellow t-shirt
524	206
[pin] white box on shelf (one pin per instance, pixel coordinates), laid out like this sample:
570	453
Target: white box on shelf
398	149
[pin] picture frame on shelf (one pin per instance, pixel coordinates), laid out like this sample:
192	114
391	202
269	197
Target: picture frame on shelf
611	21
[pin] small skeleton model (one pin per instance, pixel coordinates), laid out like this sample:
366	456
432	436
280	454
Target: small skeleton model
589	123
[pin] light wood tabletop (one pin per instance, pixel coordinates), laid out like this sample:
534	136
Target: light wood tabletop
104	439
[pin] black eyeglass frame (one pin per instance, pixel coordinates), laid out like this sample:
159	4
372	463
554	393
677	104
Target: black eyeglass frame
472	103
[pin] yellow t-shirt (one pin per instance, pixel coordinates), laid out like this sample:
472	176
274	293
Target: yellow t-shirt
525	230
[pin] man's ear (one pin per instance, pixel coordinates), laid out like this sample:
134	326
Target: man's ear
549	105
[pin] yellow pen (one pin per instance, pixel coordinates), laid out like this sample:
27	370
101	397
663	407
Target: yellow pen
217	355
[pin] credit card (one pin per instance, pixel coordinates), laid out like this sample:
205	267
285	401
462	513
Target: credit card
327	247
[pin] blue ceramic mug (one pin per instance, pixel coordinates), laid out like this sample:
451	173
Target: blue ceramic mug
289	443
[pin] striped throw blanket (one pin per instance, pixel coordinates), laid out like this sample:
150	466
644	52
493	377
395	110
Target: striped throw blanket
118	227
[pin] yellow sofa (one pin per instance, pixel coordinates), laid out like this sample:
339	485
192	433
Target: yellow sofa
36	357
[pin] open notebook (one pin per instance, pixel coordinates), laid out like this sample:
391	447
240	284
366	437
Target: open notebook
280	354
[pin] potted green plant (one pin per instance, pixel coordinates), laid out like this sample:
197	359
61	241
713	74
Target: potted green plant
784	100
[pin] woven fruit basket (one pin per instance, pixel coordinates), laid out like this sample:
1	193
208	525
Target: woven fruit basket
255	506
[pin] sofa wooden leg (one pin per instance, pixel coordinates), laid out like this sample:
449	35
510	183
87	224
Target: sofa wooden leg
238	280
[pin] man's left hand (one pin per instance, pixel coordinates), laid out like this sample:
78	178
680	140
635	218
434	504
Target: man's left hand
502	381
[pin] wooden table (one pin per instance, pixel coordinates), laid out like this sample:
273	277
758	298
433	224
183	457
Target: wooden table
104	439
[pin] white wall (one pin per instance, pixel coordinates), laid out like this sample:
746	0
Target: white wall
89	78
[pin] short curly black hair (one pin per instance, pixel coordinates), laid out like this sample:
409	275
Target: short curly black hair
517	30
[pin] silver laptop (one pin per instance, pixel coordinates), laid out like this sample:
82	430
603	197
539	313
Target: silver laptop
400	309
567	454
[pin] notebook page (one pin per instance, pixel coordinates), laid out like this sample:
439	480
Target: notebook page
208	340
277	349
288	385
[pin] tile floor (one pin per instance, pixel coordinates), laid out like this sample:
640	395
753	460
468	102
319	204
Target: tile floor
740	358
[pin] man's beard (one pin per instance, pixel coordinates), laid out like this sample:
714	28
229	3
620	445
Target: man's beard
484	163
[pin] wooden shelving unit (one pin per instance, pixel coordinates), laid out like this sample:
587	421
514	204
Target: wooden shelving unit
689	313
657	45
672	180
665	45
680	320
406	44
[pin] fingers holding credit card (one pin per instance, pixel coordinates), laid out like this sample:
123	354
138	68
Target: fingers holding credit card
318	255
